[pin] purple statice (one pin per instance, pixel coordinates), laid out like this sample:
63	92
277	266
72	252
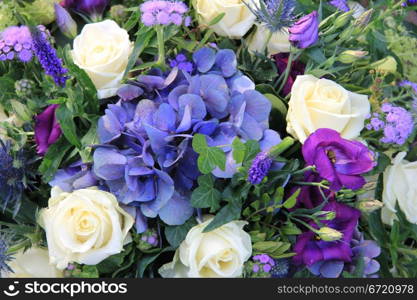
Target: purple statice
341	162
182	63
16	43
274	14
340	4
145	155
394	122
364	253
260	168
160	12
48	58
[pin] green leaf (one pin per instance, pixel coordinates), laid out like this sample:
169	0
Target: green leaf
290	228
210	157
65	119
147	260
206	196
112	263
228	213
277	104
252	149
290	202
176	234
53	158
239	150
142	41
199	143
133	20
217	19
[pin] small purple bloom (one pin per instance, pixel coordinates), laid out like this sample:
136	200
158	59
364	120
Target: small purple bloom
160	12
260	168
340	161
182	63
310	249
340	4
48	58
305	32
65	22
47	129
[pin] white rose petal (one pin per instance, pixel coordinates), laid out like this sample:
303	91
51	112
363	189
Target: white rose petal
219	253
102	50
237	21
85	226
279	42
321	103
33	263
400	188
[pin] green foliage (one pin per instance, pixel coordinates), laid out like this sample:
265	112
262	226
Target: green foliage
176	234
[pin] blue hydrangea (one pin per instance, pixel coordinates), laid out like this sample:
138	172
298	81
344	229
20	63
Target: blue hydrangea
145	155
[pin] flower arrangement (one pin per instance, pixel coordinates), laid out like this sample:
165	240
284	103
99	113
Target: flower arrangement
207	138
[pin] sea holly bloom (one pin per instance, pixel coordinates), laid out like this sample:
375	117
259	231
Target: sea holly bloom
305	32
339	161
47	129
311	248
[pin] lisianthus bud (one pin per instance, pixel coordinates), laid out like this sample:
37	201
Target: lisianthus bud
118	13
305	32
328	234
65	22
343	19
386	65
364	19
350	56
370	205
22	111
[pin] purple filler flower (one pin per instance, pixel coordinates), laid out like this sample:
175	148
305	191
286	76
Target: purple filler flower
305	32
260	167
340	161
47	129
340	4
311	249
160	12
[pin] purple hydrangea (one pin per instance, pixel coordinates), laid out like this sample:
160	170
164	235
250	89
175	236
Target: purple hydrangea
160	12
182	63
145	156
395	123
48	58
76	176
16	43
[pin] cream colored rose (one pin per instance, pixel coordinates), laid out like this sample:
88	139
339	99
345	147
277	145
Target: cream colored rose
400	188
102	50
237	21
85	226
321	103
33	263
279	42
219	253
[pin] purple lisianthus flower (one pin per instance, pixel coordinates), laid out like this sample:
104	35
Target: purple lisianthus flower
366	250
145	156
339	161
305	32
65	22
310	196
311	249
47	129
297	68
94	8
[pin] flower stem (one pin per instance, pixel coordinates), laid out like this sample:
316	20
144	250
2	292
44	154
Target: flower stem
287	71
161	47
281	147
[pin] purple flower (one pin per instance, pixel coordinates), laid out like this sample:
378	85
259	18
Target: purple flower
65	22
145	156
305	32
339	161
48	58
311	249
182	63
297	68
74	177
260	168
340	4
94	8
310	196
160	12
47	129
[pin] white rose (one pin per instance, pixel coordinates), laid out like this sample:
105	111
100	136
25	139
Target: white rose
85	226
237	21
33	263
400	187
219	253
12	119
279	42
102	50
321	103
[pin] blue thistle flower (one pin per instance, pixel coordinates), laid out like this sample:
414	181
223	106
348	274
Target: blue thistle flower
280	269
48	58
260	168
274	14
11	177
5	257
